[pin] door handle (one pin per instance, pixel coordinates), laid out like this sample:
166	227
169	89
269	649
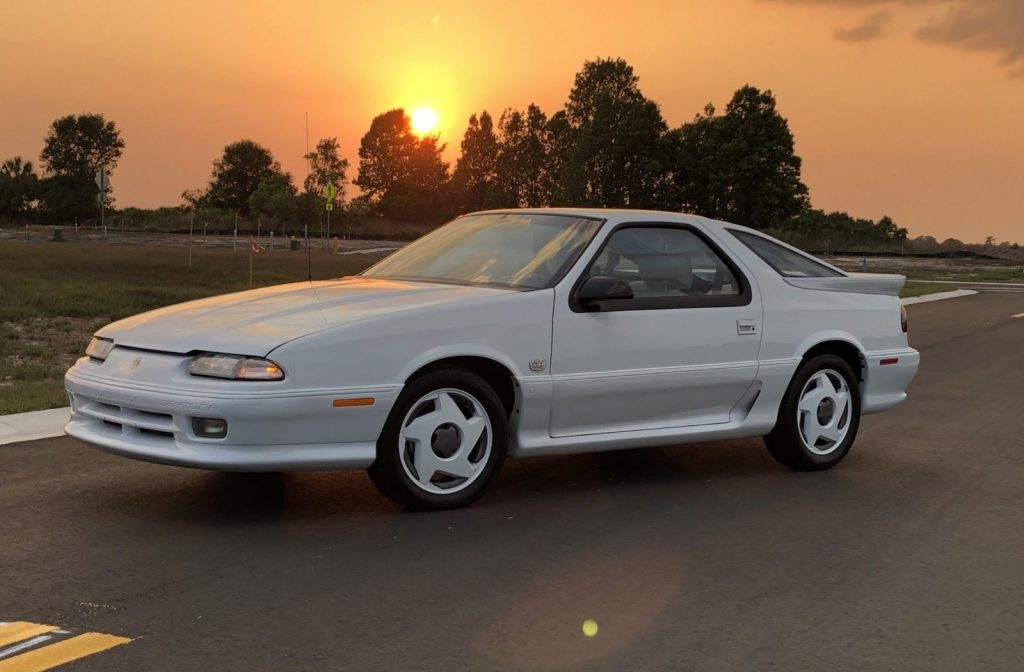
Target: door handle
744	327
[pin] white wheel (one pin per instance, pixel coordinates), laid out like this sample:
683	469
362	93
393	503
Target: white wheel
445	441
824	412
819	415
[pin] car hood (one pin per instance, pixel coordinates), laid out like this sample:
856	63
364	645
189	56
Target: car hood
257	321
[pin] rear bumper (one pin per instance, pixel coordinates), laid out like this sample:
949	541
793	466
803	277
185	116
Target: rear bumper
886	378
297	430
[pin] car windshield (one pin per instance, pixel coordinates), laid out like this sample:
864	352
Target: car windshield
520	250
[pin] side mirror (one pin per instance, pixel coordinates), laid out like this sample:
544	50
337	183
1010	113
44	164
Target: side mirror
601	288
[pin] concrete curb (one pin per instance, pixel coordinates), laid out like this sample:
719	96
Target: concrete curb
33	425
937	296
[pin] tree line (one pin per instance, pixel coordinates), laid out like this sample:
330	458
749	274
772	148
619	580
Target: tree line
609	146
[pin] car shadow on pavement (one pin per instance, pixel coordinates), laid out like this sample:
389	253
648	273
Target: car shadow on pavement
244	498
642	468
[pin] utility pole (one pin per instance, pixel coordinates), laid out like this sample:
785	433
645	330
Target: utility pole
329	191
101	182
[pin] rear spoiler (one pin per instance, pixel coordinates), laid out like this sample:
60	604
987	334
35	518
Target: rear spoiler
888	284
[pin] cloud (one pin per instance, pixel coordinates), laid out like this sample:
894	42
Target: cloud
860	3
868	29
994	26
983	25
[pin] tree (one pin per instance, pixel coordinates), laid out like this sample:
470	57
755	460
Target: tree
275	200
612	146
326	165
237	175
384	154
521	170
701	171
75	148
557	166
766	170
475	172
402	176
740	166
19	187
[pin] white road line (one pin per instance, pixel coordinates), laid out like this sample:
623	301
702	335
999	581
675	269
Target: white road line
371	250
27	644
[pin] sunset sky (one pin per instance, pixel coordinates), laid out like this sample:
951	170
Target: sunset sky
911	108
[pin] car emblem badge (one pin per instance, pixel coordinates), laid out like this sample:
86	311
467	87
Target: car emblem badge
538	364
135	364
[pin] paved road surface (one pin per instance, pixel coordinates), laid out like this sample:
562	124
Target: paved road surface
909	556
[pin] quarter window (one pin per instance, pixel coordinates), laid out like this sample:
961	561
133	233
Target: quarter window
786	262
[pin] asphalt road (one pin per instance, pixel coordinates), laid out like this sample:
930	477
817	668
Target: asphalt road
908	556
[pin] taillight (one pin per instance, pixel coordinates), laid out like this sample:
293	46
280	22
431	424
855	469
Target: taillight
903	318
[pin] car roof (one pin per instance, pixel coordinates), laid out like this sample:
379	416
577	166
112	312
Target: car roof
619	215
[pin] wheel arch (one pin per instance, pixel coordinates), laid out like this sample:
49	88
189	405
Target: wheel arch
848	349
495	373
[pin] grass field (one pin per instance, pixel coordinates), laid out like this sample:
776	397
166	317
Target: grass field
53	296
921	288
985	274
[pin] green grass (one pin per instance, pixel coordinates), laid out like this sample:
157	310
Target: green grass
53	296
981	274
920	288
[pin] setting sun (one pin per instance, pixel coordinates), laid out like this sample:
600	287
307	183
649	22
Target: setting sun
424	120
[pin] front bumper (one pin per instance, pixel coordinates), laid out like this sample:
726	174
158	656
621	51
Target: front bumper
886	378
275	430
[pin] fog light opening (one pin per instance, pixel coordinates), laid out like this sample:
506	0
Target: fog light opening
210	428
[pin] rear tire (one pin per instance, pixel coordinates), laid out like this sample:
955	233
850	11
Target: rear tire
443	443
818	417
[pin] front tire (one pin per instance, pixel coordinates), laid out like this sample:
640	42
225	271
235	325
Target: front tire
443	443
819	415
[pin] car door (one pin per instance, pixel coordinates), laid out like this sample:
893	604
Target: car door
682	351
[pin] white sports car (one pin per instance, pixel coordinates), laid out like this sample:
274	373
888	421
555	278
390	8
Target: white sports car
521	332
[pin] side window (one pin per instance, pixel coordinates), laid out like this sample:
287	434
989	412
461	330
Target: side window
786	262
667	263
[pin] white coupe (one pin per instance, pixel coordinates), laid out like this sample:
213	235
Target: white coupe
520	332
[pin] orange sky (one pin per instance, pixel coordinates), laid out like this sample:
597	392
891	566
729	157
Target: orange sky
898	107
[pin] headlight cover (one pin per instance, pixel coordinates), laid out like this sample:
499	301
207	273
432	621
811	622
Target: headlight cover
99	348
235	367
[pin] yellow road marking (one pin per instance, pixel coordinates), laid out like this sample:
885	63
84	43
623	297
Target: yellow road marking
19	630
61	652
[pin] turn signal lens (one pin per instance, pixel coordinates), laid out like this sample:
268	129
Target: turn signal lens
99	348
235	367
258	369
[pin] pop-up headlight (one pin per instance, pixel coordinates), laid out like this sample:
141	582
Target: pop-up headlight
99	348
